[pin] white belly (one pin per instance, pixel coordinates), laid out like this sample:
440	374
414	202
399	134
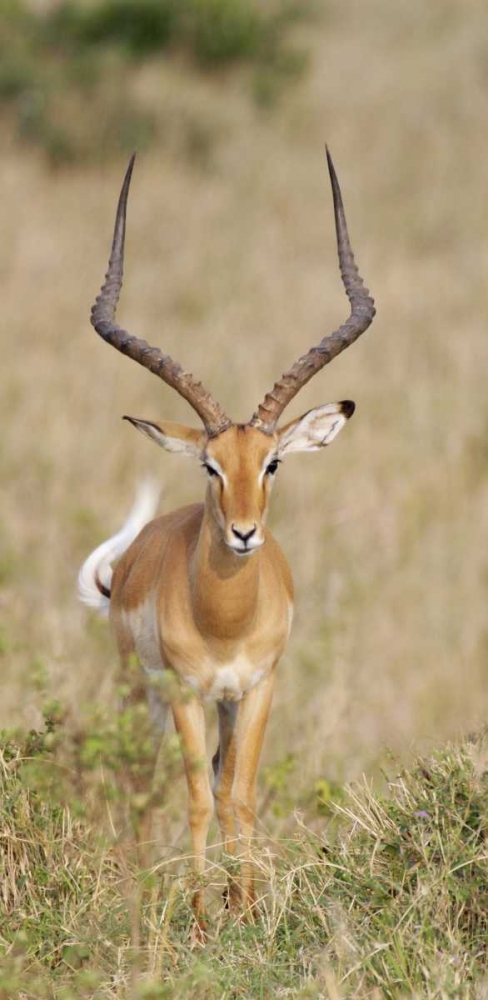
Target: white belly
230	681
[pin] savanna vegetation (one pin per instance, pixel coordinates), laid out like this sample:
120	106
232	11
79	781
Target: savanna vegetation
371	886
388	898
69	71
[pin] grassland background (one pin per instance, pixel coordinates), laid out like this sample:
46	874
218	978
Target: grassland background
231	268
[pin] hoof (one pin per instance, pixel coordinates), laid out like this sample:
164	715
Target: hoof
199	933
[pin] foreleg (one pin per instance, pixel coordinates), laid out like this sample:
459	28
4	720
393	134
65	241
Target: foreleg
190	725
224	769
249	734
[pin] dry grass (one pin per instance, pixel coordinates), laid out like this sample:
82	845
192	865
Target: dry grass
389	903
232	269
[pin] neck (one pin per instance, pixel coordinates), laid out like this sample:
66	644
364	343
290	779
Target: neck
224	585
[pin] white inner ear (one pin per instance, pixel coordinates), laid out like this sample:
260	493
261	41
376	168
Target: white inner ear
191	446
315	430
177	446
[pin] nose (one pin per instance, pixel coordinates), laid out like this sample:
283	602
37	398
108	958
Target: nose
243	535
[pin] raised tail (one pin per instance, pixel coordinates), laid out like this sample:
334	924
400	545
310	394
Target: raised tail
95	575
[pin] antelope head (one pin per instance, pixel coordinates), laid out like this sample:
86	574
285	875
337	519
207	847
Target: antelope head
241	460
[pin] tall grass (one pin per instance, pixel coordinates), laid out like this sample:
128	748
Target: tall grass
232	269
392	898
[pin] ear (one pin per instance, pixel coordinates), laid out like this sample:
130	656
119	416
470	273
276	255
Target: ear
316	429
172	437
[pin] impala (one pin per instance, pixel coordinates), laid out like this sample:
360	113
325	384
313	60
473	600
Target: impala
205	592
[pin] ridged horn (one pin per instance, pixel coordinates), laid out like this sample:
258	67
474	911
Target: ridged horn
210	412
362	314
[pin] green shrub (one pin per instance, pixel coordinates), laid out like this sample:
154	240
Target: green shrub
139	28
58	65
221	31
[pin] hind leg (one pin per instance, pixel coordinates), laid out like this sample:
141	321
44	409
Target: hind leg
153	833
142	723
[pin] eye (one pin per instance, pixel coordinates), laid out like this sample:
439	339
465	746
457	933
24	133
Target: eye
272	467
210	469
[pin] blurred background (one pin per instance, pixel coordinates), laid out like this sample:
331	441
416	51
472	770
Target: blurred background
231	268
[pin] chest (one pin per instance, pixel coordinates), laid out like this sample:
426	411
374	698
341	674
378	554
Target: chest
215	670
221	660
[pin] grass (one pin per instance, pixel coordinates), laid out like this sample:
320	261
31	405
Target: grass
389	899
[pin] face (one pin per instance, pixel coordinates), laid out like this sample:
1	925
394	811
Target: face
241	464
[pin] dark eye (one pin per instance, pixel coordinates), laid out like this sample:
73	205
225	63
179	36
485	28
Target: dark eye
210	469
272	467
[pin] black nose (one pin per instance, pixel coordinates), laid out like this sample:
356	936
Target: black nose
243	535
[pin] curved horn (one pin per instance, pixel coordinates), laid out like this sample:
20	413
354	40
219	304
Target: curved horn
362	314
103	319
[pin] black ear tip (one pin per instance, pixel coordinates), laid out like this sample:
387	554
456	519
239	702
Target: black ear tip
347	407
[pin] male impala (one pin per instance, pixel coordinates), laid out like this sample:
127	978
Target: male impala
205	592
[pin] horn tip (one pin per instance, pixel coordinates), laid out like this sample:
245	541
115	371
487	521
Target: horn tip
332	171
128	173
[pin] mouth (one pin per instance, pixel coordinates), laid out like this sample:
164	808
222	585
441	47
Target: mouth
244	549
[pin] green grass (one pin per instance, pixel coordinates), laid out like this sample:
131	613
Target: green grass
388	898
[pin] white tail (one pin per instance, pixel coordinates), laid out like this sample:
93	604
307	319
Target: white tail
96	572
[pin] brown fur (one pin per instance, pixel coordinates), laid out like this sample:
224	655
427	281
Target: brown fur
184	601
206	593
